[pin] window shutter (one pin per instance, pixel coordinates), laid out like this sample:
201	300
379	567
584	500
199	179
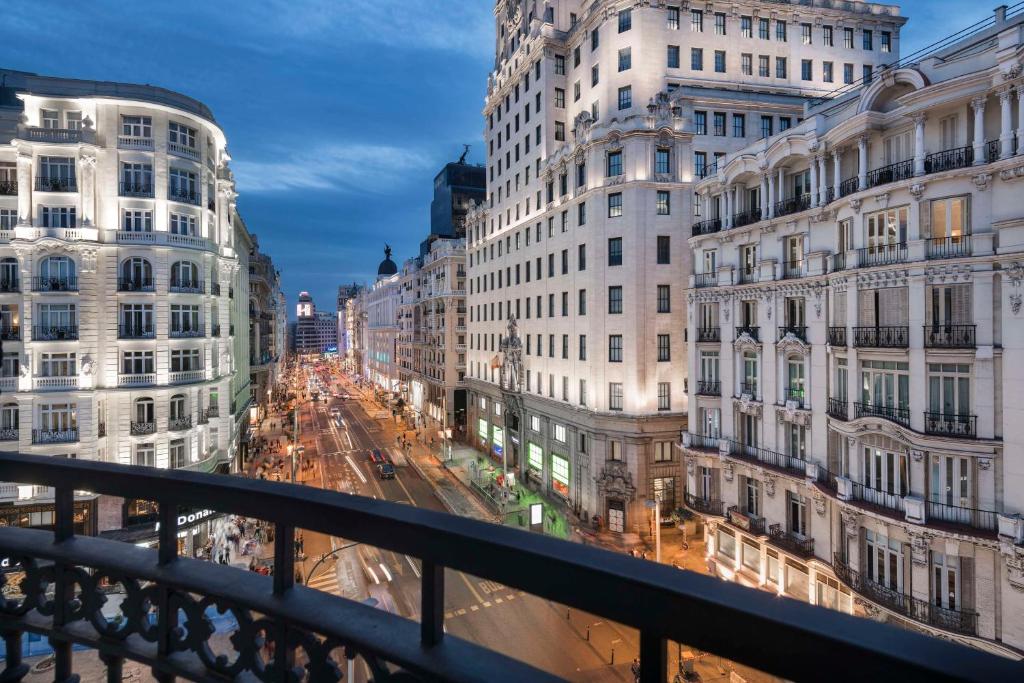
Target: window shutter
866	307
862	556
893	305
962	314
838	308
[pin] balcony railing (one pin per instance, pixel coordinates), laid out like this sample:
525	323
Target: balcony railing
838	408
143	428
949	159
179	424
796	395
849	186
54	332
60	135
919	610
179	194
798	331
187	376
766	456
749	389
703	505
944	424
186	333
837	262
742	520
985	520
882	254
887	337
43	436
9	434
309	627
753	331
877	498
830	194
136	285
213	411
10	332
183	150
189	287
891	173
55	284
791	542
215	288
837	335
56	184
793	205
948	247
702	442
709	334
746	218
709	387
706	227
135	189
10	284
950	336
136	331
55	383
792	269
134	142
8	187
992	150
705	280
141	379
747	274
891	413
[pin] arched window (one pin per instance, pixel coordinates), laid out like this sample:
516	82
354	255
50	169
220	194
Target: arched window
179	408
145	413
8	421
136	274
57	273
9	274
184	275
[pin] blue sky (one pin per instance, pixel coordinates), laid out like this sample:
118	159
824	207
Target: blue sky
338	113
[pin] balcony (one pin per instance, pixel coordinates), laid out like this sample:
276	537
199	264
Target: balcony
705	280
796	643
839	409
890	174
849	186
949	336
215	330
9	434
885	502
56	184
8	187
792	269
992	151
798	331
781	461
703	505
796	395
186	333
215	288
745	521
957	426
136	332
134	142
179	424
57	135
893	414
702	442
949	160
136	189
10	332
10	285
54	333
749	389
837	262
882	254
187	376
887	337
63	383
953	515
136	285
709	388
948	247
213	411
181	150
792	205
747	275
139	379
746	218
55	284
753	331
892	599
45	436
837	335
142	428
793	543
707	227
193	287
184	195
709	334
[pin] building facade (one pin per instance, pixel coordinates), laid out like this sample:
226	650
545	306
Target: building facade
855	435
121	252
316	332
346	293
598	118
379	309
267	320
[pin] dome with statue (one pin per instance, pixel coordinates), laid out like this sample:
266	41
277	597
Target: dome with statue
387	267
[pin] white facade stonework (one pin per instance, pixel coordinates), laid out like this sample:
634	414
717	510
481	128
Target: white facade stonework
856	430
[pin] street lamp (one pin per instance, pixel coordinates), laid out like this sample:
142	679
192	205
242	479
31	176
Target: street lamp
656	506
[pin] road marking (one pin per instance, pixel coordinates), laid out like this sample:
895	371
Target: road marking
408	495
372	573
498	601
487	604
470	587
449	615
384	569
327	582
474	607
348	459
413	565
460	612
510	597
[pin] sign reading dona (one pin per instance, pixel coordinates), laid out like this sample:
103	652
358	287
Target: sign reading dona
190	519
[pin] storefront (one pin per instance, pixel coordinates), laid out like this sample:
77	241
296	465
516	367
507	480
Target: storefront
482	432
195	528
498	441
560	475
535	460
41	516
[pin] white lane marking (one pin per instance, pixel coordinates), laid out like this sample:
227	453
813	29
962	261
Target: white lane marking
348	459
384	569
413	565
373	574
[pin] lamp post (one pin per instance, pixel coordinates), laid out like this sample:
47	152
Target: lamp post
656	506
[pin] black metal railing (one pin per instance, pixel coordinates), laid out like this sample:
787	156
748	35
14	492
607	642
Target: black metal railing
703	442
796	395
178	424
746	218
214	288
798	331
942	336
55	435
55	184
187	287
919	610
830	194
792	269
10	332
838	408
704	506
973	518
706	227
54	332
837	262
891	413
892	173
945	424
787	540
215	330
705	280
849	186
745	275
948	160
9	434
709	334
992	150
10	284
135	189
753	331
8	187
769	457
186	332
837	335
793	205
882	254
55	284
749	388
877	498
308	626
142	428
745	521
948	247
882	337
136	284
131	331
178	194
706	387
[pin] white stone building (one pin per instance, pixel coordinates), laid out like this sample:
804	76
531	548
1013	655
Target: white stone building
119	263
856	432
379	306
599	115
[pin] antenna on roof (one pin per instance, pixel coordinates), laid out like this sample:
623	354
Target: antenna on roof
465	151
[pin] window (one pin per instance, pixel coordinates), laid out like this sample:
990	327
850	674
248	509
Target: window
615	299
700	168
780	67
615	348
848	38
595	75
848	74
55	365
763	66
581	257
185	319
560	98
559	131
719	123
625	20
867	38
178	456
49	118
184	360
182	185
615	251
886	384
614	164
614	401
137	126
625	97
949	395
664	305
826	36
137	220
663	203
949	219
136	179
137	320
595	39
581	215
720	61
719	23
673	18
182	224
747	64
739	126
763	29
625	59
673	56
805	34
780	30
8	219
583	302
661	160
559	65
826	72
700	122
747	27
59	217
866	74
664	396
806	69
615	205
696	59
137	363
59	417
886	42
663	249
664	350
697	21
565	347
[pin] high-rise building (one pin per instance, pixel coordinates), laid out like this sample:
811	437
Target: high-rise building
346	293
316	332
855	435
458	187
599	117
379	310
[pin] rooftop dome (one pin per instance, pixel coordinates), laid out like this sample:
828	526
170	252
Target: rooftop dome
387	266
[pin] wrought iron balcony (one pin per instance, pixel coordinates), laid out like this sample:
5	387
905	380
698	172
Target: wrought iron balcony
179	194
213	411
143	428
753	331
186	333
792	269
187	287
702	442
10	284
56	184
769	457
992	150
891	413
745	521
948	247
838	408
949	336
309	628
919	610
10	332
9	434
877	499
837	262
43	436
215	288
972	518
703	505
882	254
215	328
798	331
830	194
791	542
54	332
749	389
709	334
892	173
67	283
706	227
8	187
136	285
796	395
130	331
746	218
179	424
793	205
747	274
837	335
705	280
709	388
948	160
887	337
944	424
849	186
135	189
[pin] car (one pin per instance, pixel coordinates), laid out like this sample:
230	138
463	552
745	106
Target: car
386	470
376	457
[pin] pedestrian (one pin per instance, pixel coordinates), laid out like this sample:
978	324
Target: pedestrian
635	669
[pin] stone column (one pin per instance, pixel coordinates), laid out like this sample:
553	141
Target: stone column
736	197
706	200
727	221
1020	117
87	188
918	368
978	105
862	162
782	185
770	199
822	181
919	144
1005	125
25	187
764	195
837	177
814	181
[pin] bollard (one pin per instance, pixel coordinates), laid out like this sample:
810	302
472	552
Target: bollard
612	663
588	634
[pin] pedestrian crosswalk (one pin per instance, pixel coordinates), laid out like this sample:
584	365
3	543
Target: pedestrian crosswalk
326	582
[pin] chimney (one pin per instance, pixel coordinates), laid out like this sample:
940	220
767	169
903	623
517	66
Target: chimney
1000	15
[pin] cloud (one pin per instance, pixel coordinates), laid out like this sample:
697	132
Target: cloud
341	167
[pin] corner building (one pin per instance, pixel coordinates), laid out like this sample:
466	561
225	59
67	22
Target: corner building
599	117
856	439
